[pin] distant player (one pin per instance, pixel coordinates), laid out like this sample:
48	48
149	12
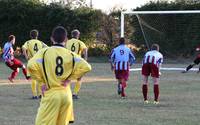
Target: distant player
121	60
30	48
11	61
55	66
196	62
151	66
78	47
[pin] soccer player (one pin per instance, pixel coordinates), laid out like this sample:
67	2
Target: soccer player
55	66
121	60
151	66
11	61
30	48
78	47
196	62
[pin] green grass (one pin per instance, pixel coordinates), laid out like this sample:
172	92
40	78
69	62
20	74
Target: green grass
100	105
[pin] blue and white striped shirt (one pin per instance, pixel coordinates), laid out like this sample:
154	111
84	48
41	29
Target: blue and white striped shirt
8	52
122	57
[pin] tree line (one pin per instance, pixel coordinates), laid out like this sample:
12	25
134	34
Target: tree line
18	17
177	34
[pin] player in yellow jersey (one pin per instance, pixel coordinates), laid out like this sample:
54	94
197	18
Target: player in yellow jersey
77	46
55	66
30	48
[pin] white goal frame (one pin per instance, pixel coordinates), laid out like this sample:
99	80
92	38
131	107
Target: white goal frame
123	13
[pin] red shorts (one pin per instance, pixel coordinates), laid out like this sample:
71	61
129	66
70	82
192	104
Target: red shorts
150	68
16	64
122	74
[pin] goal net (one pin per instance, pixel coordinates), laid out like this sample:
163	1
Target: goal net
177	32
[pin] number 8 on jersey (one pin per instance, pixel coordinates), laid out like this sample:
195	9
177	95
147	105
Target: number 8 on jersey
59	66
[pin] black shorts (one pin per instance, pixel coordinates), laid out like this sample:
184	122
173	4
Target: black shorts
197	60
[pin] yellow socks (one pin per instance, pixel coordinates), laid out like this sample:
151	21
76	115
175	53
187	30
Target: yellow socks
77	87
33	87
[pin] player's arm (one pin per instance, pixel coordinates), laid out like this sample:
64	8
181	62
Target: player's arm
131	58
84	50
81	67
36	73
34	69
112	59
160	61
24	50
85	53
143	60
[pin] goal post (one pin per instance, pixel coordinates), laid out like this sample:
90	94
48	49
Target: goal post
167	28
123	13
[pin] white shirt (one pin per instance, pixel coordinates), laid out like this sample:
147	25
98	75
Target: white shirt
153	57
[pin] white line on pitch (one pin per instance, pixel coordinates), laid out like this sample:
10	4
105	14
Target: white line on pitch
167	69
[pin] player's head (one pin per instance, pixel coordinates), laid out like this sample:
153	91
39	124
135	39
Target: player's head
59	35
122	41
75	34
34	34
155	47
11	39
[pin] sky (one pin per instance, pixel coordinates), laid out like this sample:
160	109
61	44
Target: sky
107	5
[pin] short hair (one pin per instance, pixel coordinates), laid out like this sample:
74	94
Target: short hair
154	47
59	34
34	33
75	33
11	37
122	40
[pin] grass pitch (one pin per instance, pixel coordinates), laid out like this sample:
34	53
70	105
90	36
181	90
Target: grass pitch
99	103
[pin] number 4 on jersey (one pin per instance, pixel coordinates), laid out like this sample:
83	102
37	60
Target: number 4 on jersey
35	48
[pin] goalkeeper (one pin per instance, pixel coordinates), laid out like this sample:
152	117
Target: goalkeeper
195	62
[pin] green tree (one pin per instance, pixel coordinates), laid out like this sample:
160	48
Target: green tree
18	17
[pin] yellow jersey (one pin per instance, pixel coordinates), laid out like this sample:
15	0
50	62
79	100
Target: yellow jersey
76	46
54	65
32	46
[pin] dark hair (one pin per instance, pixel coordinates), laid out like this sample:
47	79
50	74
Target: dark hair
122	40
59	34
75	33
34	33
11	37
154	47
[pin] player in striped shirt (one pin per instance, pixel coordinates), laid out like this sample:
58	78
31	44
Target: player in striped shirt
11	61
151	66
121	60
30	48
55	66
78	47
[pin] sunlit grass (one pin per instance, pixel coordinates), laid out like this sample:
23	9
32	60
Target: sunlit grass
99	103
